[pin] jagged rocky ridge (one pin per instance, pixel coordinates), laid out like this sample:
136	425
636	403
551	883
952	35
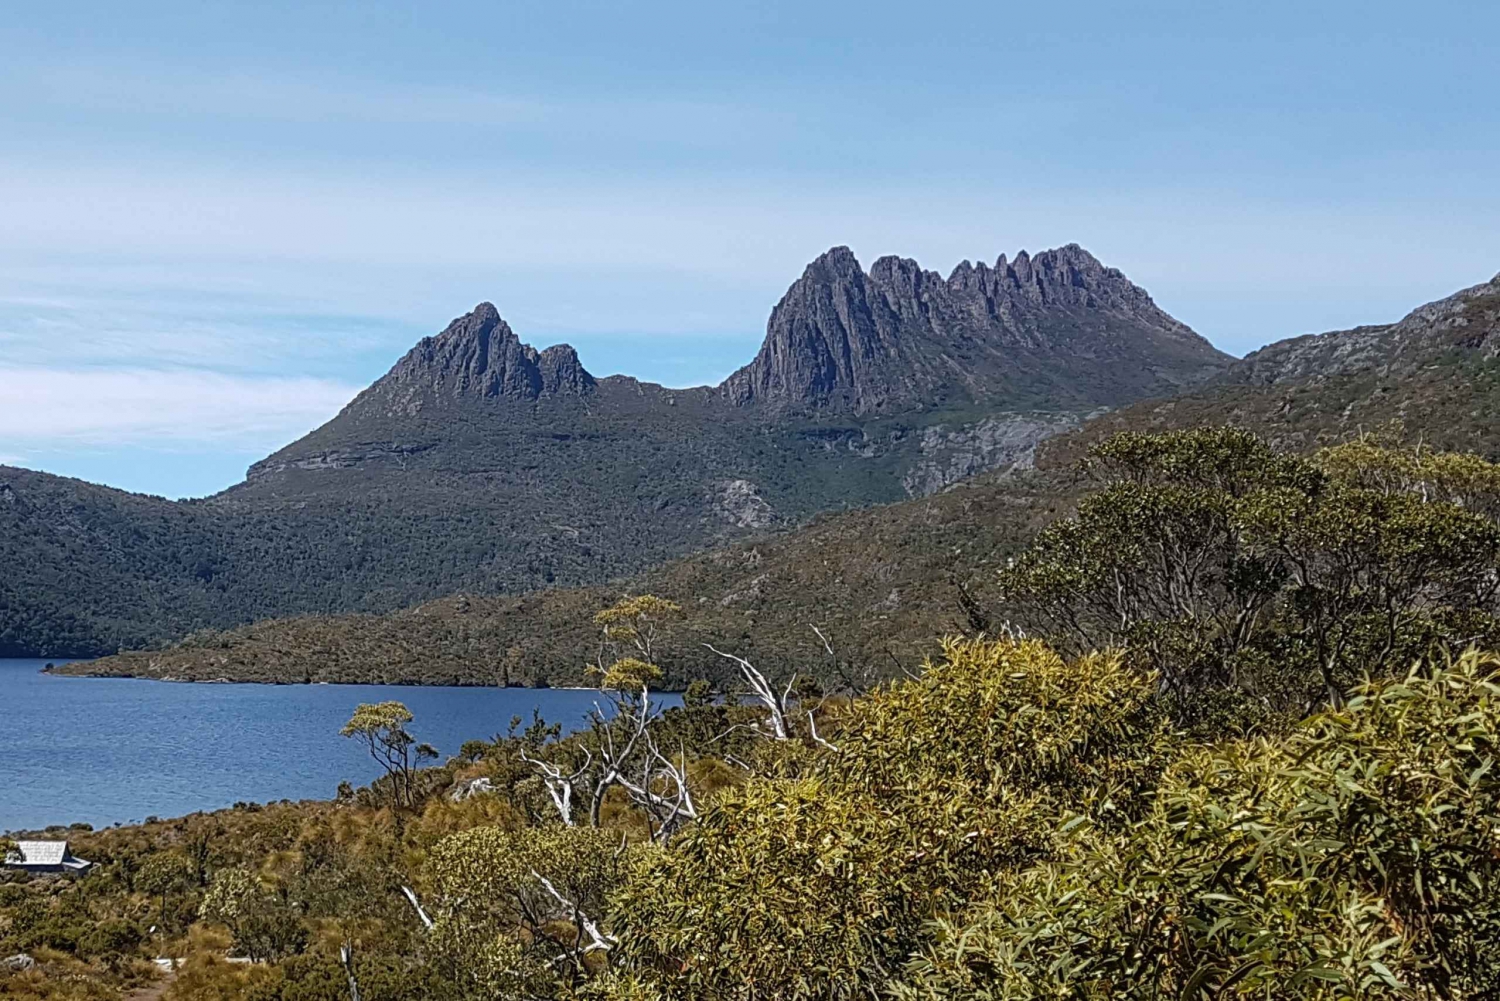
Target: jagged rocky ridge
1054	332
1032	328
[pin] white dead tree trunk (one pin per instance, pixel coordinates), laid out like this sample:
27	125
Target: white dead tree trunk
673	805
422	916
559	786
764	692
346	959
812	727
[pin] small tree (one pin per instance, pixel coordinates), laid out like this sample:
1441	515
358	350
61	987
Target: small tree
163	874
1217	562
381	727
630	630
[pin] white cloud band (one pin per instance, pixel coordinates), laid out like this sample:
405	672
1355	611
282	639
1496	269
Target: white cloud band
45	407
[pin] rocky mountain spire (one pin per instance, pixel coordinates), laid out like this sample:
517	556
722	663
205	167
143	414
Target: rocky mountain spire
478	355
1059	327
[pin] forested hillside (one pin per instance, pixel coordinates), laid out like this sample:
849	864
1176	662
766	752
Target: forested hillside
882	584
480	464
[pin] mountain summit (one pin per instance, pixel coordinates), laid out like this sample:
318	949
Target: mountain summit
1057	329
479	355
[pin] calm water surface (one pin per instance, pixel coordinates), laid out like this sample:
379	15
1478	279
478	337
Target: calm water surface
107	750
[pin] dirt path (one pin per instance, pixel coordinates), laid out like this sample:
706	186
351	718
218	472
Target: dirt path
155	991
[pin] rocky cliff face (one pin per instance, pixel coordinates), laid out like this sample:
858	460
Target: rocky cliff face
478	355
1058	328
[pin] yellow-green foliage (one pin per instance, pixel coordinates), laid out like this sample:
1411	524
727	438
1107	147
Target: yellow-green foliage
506	904
1355	858
630	674
820	886
629	617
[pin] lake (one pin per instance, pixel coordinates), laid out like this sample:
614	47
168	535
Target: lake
114	750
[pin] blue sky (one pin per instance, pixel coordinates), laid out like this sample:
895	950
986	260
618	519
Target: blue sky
219	221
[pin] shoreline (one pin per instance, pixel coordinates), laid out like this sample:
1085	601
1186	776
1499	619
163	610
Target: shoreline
51	671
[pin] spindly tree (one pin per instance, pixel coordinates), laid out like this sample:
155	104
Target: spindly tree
629	633
622	750
381	728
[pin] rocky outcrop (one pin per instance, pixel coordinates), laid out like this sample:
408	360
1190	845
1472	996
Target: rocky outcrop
478	355
386	455
1005	441
1465	324
1058	328
739	503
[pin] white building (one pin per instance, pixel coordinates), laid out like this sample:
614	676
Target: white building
46	856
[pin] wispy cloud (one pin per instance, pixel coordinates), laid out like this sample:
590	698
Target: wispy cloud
135	92
99	319
59	407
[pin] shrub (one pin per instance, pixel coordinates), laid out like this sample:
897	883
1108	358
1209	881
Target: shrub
821	886
1358	857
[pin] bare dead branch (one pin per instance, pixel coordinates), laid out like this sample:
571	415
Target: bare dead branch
416	906
775	703
559	786
598	941
812	726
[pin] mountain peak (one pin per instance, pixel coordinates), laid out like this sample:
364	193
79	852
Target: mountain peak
478	355
899	337
837	264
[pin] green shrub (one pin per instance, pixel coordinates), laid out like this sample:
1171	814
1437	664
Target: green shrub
821	886
1356	858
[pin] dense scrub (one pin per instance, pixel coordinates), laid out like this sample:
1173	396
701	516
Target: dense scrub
1012	824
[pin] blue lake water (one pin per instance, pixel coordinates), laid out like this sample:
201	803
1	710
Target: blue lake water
108	750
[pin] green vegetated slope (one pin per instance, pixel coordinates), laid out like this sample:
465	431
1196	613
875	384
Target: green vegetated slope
883	581
881	584
480	464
